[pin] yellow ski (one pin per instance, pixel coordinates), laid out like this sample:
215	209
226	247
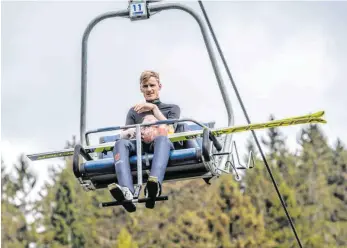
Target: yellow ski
304	119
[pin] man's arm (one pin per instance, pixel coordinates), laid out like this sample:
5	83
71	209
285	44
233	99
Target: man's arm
158	114
175	112
129	132
130	118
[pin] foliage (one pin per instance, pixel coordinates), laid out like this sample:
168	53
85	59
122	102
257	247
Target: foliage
313	184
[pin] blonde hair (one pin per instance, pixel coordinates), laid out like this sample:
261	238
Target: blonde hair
146	75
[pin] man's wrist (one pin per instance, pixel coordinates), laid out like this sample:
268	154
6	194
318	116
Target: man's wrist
155	108
157	113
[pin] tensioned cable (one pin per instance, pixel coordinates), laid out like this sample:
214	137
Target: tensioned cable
249	122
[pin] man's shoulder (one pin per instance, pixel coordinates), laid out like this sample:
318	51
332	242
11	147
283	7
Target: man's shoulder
132	113
131	110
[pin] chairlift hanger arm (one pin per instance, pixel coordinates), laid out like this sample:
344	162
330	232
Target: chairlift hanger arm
84	57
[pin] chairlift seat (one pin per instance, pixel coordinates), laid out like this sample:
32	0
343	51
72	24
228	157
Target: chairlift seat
184	163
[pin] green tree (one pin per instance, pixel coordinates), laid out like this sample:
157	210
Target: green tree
338	172
124	240
278	155
338	184
191	230
232	218
312	184
11	218
250	148
275	142
15	206
312	189
71	217
59	214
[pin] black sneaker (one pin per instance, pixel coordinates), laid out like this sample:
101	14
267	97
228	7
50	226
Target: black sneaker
122	193
152	191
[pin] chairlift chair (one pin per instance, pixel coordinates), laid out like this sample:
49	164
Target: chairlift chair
209	160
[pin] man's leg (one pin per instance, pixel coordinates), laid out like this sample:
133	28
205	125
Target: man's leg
124	190
161	147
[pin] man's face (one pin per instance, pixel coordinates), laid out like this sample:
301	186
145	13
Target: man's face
150	89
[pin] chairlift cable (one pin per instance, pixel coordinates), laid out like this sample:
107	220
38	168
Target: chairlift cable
248	120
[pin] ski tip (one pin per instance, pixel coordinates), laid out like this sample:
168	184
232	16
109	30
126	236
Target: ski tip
35	157
51	155
322	121
30	157
317	120
318	114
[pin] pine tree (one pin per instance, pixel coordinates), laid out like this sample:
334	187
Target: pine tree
250	148
338	169
190	230
218	215
71	217
64	212
11	218
60	216
263	195
312	189
232	218
277	150
338	183
17	232
275	142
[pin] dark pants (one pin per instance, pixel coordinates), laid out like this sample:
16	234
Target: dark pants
160	148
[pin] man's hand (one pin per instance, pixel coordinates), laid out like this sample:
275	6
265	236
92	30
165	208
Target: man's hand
128	134
144	107
148	134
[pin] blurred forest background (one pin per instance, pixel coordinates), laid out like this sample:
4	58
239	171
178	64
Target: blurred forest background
227	213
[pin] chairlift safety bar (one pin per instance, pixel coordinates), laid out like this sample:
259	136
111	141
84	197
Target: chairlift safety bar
116	128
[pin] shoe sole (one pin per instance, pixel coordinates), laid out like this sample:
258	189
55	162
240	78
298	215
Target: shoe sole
152	188
118	195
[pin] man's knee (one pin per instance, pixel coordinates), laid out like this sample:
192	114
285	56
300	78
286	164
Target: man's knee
163	140
121	144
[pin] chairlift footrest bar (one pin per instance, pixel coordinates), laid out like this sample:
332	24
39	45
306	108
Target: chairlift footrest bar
221	154
142	200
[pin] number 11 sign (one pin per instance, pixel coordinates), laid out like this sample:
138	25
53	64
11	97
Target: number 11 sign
138	10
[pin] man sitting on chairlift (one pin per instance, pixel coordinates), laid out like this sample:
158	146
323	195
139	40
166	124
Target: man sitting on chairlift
158	143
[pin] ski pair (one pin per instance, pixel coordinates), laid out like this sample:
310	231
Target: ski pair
297	120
